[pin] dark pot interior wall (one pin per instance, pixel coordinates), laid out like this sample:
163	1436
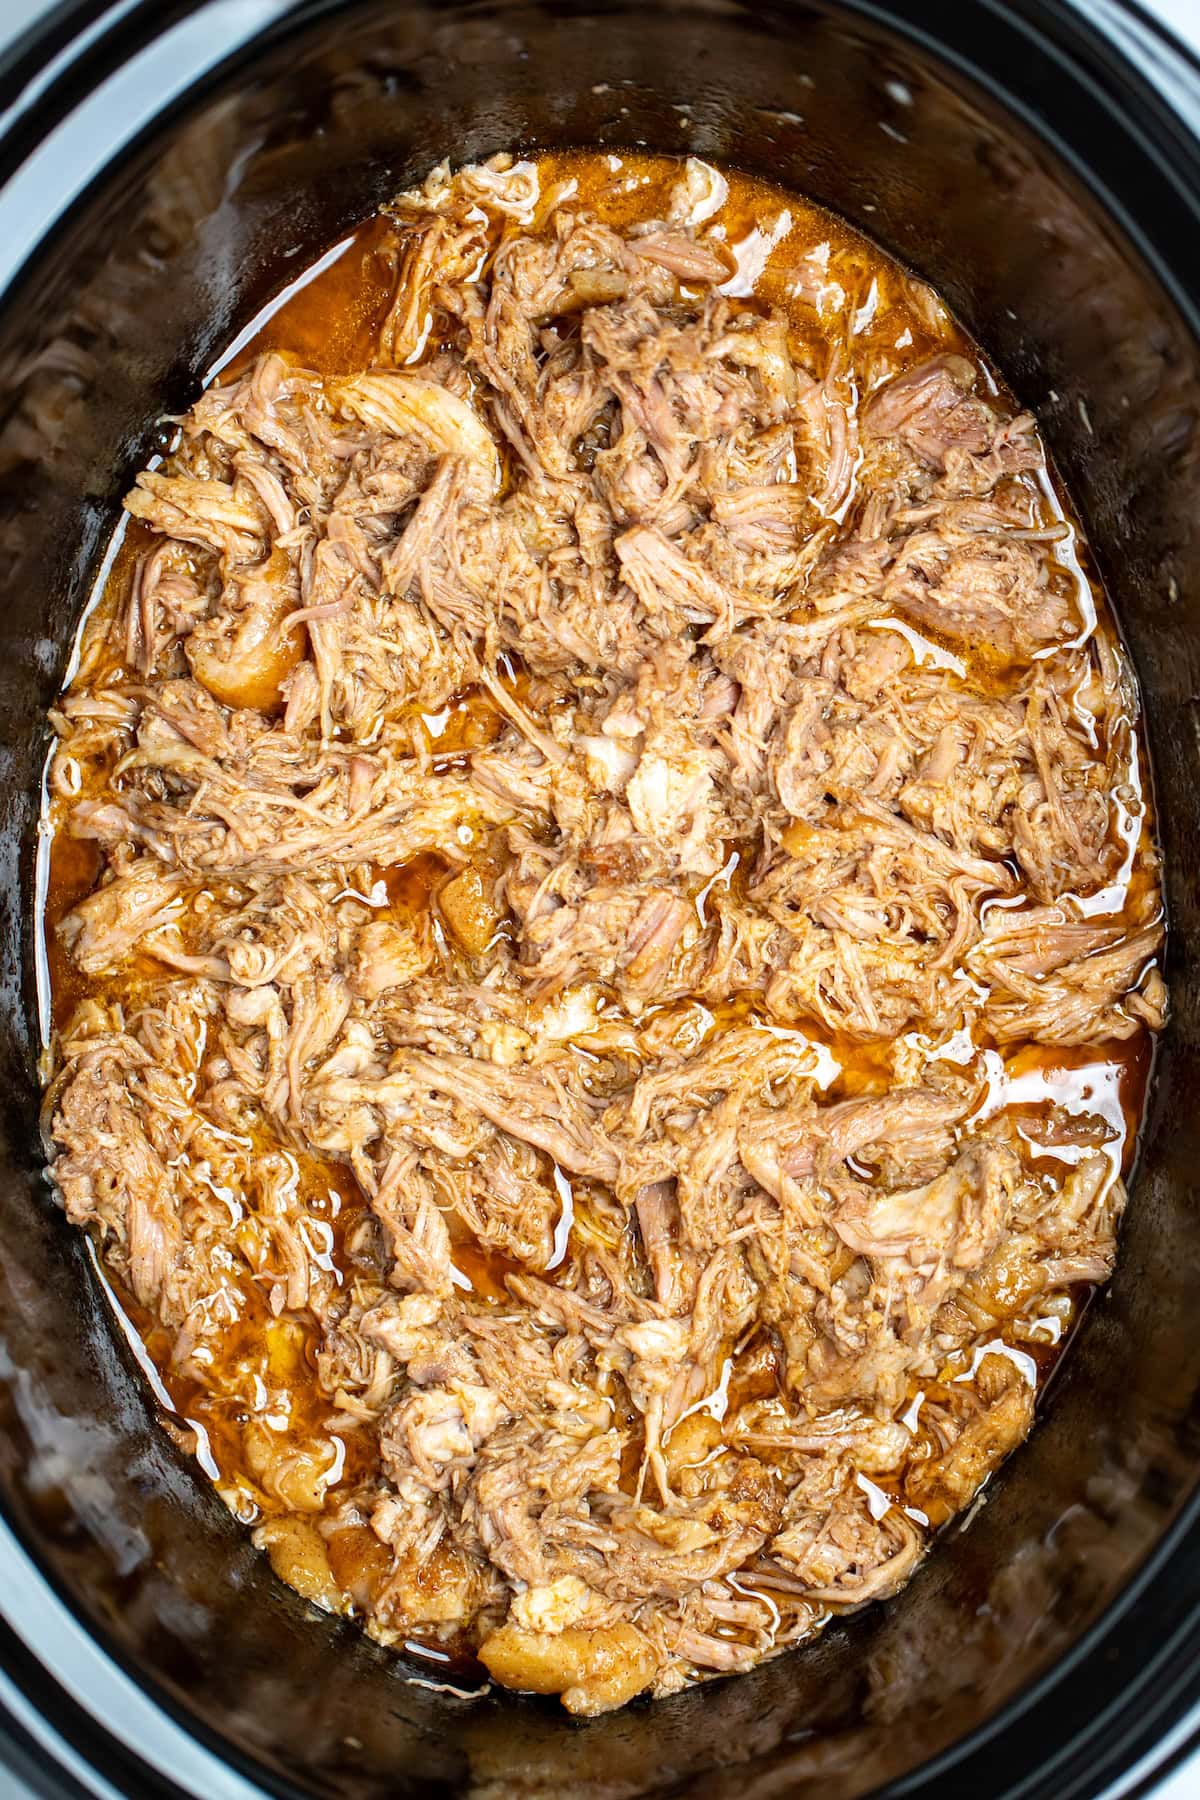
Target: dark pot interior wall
128	302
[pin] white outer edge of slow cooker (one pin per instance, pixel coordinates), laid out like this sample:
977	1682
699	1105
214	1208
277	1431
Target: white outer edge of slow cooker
73	1658
77	149
27	15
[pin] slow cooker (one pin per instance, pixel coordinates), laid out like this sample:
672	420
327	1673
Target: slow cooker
1020	158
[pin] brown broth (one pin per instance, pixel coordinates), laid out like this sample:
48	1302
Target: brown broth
76	865
411	886
329	322
486	1270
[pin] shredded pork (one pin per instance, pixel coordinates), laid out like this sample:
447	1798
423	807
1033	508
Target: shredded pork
593	810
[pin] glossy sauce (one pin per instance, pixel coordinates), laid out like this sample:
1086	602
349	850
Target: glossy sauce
783	253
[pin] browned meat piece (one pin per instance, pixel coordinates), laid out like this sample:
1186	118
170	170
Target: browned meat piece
385	956
683	256
116	921
538	1110
469	910
674	592
593	1668
405	1203
165	603
933	409
656	929
913	1128
399	405
245	653
984	590
945	1484
504	1200
211	514
956	1219
1111	993
844	1557
112	1171
659	1225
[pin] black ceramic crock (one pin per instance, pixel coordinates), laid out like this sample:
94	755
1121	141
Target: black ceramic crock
1016	158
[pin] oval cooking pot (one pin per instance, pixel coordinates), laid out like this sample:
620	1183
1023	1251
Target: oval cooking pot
1016	159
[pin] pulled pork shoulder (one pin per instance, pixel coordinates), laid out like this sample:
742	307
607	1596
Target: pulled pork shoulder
593	810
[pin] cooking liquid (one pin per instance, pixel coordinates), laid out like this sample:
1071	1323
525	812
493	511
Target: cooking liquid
784	253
